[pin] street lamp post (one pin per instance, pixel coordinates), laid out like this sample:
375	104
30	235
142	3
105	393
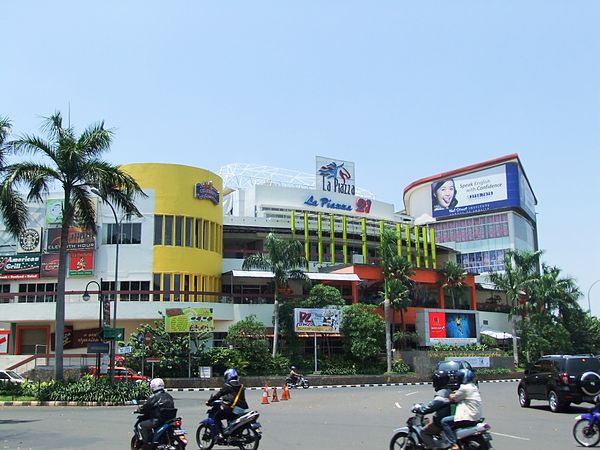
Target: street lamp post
114	324
588	296
86	297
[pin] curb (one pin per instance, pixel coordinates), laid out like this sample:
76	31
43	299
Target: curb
335	386
131	403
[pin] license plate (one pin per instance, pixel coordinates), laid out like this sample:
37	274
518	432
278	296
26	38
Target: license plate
258	430
179	432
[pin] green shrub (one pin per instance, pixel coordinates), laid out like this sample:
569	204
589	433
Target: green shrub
88	389
11	389
400	366
493	371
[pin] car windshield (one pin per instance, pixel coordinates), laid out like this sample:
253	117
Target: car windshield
14	374
583	364
448	365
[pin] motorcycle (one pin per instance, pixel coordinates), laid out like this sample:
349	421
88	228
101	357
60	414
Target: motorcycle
168	436
300	382
586	430
244	431
413	437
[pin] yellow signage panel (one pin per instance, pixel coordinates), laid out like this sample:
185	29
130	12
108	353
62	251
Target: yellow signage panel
189	320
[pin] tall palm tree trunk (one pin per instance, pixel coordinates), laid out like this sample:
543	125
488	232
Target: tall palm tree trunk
514	342
388	334
276	322
59	332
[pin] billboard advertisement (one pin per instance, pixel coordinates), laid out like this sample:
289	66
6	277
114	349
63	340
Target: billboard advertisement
30	241
334	175
476	192
81	263
77	239
321	320
20	267
451	327
50	263
188	320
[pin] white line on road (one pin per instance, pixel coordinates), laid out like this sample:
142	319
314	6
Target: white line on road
510	436
412	393
398	405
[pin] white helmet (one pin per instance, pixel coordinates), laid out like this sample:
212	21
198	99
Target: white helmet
157	384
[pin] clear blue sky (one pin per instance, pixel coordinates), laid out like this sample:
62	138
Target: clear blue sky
403	89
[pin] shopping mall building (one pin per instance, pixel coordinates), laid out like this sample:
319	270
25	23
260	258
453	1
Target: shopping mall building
187	247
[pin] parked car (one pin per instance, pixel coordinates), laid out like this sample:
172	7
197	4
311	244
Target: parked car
123	374
453	366
561	380
10	376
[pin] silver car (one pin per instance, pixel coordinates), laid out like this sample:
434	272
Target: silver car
10	376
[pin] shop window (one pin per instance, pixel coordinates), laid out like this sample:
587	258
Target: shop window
158	230
424	296
37	292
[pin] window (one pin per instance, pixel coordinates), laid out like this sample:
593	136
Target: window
135	286
168	230
205	235
158	230
189	232
44	292
167	286
131	233
198	233
4	289
156	286
178	231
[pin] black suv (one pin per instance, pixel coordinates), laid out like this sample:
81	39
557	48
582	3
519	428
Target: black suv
452	367
561	380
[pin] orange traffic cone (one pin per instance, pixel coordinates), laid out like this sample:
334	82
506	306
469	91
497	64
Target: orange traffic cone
265	397
275	398
284	393
287	392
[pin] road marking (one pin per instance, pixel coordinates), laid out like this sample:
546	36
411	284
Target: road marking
398	405
412	393
510	436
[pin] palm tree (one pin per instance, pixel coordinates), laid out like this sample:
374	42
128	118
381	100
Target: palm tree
74	163
396	284
514	281
284	259
5	127
454	279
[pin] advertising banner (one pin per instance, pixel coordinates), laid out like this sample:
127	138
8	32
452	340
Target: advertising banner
334	175
81	263
49	265
188	320
322	320
484	190
451	327
4	336
54	208
30	241
77	338
77	239
19	267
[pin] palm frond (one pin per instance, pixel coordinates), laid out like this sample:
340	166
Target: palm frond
13	208
83	204
257	261
95	140
37	177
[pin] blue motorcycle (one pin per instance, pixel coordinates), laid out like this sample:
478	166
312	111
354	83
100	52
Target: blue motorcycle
586	430
167	436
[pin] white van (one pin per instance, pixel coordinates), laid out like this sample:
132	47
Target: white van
10	376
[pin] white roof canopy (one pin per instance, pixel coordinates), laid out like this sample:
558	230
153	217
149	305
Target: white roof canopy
319	276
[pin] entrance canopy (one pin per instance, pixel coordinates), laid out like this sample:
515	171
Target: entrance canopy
316	276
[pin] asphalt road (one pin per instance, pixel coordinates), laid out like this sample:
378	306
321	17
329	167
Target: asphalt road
314	419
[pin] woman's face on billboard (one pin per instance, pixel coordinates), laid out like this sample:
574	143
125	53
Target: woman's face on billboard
445	194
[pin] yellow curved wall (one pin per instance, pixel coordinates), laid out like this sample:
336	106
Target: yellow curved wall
174	185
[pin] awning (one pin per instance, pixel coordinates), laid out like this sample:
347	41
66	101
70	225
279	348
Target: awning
497	334
319	276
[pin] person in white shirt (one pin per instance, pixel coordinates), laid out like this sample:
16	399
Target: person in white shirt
468	410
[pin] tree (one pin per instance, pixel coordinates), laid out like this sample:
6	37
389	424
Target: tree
396	282
363	332
514	281
5	127
454	279
284	259
74	163
248	336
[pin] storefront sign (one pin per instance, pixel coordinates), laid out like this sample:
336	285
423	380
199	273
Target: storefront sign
54	207
81	263
4	337
188	320
50	263
318	320
335	176
206	191
77	338
18	267
30	241
77	239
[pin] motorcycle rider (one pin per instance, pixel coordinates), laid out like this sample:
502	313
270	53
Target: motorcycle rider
440	405
468	410
294	376
234	399
159	400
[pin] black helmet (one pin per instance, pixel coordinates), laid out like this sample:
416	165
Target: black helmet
440	379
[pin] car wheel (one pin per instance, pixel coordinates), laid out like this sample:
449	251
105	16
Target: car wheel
524	400
590	383
554	402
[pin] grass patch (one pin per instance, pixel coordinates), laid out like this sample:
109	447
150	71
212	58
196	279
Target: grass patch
10	398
